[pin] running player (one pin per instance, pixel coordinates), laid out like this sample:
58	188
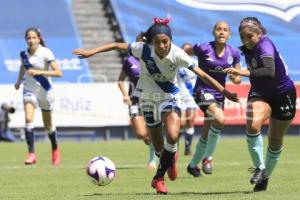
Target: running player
38	65
158	92
213	57
272	96
186	81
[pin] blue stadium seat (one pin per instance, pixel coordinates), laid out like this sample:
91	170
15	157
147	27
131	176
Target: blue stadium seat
54	19
192	21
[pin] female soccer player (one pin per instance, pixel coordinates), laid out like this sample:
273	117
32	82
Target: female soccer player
37	60
272	96
158	92
213	57
186	81
132	69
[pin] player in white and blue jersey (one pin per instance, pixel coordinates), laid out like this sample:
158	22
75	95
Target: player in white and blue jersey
186	81
38	65
158	91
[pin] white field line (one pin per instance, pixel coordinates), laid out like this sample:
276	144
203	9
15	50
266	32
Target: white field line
125	166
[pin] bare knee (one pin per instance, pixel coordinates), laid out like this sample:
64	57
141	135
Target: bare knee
219	123
254	127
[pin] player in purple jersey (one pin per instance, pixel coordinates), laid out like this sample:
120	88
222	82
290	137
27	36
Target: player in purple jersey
131	69
213	58
272	96
158	91
38	65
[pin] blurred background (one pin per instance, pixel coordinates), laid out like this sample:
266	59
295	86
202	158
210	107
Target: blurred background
88	102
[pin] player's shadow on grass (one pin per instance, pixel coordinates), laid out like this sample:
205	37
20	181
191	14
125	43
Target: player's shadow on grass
211	193
172	193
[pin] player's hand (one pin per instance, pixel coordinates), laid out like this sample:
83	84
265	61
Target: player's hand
82	53
34	72
232	71
126	100
17	85
231	96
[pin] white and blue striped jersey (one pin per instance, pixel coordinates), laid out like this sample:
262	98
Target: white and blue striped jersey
186	81
158	76
39	60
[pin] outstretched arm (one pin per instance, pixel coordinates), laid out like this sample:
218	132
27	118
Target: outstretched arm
214	84
121	84
85	53
236	79
237	72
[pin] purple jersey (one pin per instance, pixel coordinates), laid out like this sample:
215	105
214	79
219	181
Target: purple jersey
132	68
281	83
213	65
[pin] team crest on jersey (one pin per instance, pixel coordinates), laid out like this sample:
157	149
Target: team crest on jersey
230	60
285	10
254	63
172	67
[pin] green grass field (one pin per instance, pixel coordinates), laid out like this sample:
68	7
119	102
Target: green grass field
230	179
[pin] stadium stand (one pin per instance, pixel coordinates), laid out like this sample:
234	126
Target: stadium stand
192	21
97	26
55	20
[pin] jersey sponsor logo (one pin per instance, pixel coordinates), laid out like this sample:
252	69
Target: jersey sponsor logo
159	77
217	69
285	10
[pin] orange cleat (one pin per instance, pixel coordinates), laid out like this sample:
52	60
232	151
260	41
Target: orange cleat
55	157
31	159
173	169
159	185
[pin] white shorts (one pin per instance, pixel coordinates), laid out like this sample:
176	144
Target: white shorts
43	99
189	103
153	110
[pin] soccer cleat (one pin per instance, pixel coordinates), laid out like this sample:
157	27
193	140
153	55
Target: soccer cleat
173	169
207	166
159	185
187	152
194	171
258	175
31	159
55	157
152	165
262	186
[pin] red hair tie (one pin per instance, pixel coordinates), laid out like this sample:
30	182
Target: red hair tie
161	21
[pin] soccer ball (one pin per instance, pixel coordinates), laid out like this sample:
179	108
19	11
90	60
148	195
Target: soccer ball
101	170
